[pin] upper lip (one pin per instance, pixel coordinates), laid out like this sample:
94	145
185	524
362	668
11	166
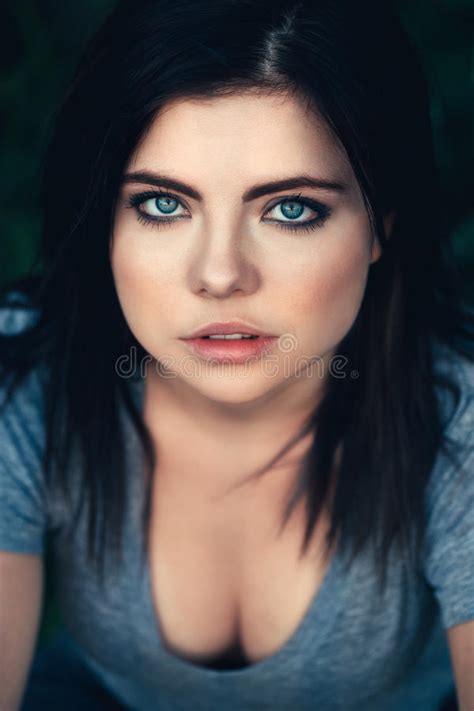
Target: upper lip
226	328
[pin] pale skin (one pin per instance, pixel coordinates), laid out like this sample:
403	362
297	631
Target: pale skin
228	258
223	574
226	262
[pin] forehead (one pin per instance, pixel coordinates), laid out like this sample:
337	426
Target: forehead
249	132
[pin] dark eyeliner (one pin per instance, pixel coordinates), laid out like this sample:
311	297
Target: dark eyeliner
323	213
134	201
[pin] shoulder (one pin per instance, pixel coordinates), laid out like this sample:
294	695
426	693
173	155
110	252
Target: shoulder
22	441
448	556
454	389
15	315
452	368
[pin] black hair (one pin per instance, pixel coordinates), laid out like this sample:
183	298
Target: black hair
353	63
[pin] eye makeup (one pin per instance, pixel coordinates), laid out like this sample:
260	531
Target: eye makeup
136	200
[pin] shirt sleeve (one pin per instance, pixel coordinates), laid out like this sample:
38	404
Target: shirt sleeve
449	544
22	495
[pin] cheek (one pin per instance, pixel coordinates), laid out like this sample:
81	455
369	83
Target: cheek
141	263
146	280
131	271
328	293
140	288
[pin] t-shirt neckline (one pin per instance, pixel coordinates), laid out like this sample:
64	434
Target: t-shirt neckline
316	620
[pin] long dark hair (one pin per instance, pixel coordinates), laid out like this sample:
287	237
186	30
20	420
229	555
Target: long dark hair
377	436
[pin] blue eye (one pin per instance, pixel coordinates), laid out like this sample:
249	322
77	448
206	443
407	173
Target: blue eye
152	205
166	204
157	208
292	208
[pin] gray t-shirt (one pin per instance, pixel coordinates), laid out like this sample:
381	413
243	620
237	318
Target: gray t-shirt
351	651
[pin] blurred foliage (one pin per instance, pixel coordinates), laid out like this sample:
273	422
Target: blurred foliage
41	41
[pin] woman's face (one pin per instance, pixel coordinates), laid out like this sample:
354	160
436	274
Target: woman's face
228	255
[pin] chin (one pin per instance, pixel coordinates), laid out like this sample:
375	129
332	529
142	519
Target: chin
232	388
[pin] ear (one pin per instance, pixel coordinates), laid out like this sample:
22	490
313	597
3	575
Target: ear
388	221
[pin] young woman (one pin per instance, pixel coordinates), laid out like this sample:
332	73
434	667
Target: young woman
276	522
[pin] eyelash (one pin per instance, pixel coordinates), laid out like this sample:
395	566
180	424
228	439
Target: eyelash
134	202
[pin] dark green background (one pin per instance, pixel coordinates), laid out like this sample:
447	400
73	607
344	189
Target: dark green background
41	41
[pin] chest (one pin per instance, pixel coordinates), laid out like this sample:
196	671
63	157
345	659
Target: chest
222	575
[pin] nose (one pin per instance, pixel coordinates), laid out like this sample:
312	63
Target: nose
223	263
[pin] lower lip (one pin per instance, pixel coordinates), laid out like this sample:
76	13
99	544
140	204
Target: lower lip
231	350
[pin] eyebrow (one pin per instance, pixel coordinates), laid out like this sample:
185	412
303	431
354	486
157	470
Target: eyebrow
299	181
